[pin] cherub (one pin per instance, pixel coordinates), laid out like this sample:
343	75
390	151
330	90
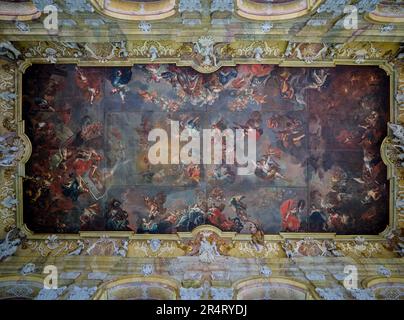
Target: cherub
155	205
319	79
89	81
119	80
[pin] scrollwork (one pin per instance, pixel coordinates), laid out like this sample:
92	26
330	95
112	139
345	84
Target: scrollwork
358	53
8	203
51	246
153	49
308	52
360	247
265	50
248	249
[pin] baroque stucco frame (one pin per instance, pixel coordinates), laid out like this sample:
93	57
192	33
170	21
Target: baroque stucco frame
292	56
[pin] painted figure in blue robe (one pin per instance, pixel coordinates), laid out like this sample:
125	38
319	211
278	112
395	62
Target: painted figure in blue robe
119	79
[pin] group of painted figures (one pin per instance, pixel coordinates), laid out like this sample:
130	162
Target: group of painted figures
310	134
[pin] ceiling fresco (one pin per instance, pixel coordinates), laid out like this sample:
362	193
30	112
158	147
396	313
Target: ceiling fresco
90	167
